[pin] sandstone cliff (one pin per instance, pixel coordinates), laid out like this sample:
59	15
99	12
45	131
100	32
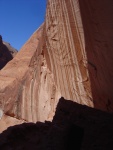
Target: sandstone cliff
7	52
79	50
15	81
70	55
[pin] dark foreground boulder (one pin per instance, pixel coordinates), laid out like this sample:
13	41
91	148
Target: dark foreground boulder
74	127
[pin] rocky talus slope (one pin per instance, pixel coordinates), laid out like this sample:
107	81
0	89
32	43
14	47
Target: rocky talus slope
7	53
70	55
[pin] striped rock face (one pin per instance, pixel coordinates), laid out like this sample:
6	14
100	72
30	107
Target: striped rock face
17	78
69	56
79	50
65	49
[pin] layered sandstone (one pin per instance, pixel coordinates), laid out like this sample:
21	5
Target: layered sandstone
65	50
70	56
16	78
79	50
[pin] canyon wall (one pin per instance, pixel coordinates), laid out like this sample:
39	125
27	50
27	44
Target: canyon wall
26	85
7	53
15	81
98	32
69	56
65	50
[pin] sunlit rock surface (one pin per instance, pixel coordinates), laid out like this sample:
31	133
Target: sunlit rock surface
16	79
65	50
8	121
70	55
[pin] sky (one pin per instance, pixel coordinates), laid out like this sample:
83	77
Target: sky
19	19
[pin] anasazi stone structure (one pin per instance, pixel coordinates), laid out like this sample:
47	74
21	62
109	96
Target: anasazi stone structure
70	55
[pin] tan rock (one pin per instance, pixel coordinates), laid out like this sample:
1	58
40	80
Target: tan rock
65	48
13	79
7	121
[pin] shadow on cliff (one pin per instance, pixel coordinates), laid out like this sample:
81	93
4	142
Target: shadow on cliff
74	126
5	55
98	25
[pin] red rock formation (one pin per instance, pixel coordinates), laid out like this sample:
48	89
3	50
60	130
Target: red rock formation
16	80
98	32
7	52
79	50
65	48
69	56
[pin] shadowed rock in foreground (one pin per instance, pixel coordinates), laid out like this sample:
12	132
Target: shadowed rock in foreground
74	126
